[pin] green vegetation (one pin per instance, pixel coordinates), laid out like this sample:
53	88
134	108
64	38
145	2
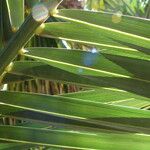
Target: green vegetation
99	53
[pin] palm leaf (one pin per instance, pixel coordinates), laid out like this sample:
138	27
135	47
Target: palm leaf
110	114
75	140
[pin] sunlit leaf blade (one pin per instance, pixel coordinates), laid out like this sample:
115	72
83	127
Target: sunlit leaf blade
99	35
75	140
16	13
91	63
132	125
85	111
69	106
138	103
127	33
142	54
78	32
43	71
111	96
102	95
127	24
86	63
64	122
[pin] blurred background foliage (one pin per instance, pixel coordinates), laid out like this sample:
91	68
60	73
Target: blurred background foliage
139	8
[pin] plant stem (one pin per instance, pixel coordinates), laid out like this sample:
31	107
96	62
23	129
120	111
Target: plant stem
26	31
16	43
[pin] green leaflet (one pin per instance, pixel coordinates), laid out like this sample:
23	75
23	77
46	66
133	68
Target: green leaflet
79	32
75	140
72	60
16	13
123	36
133	125
69	106
43	71
134	25
112	96
103	93
79	29
70	123
73	112
90	63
